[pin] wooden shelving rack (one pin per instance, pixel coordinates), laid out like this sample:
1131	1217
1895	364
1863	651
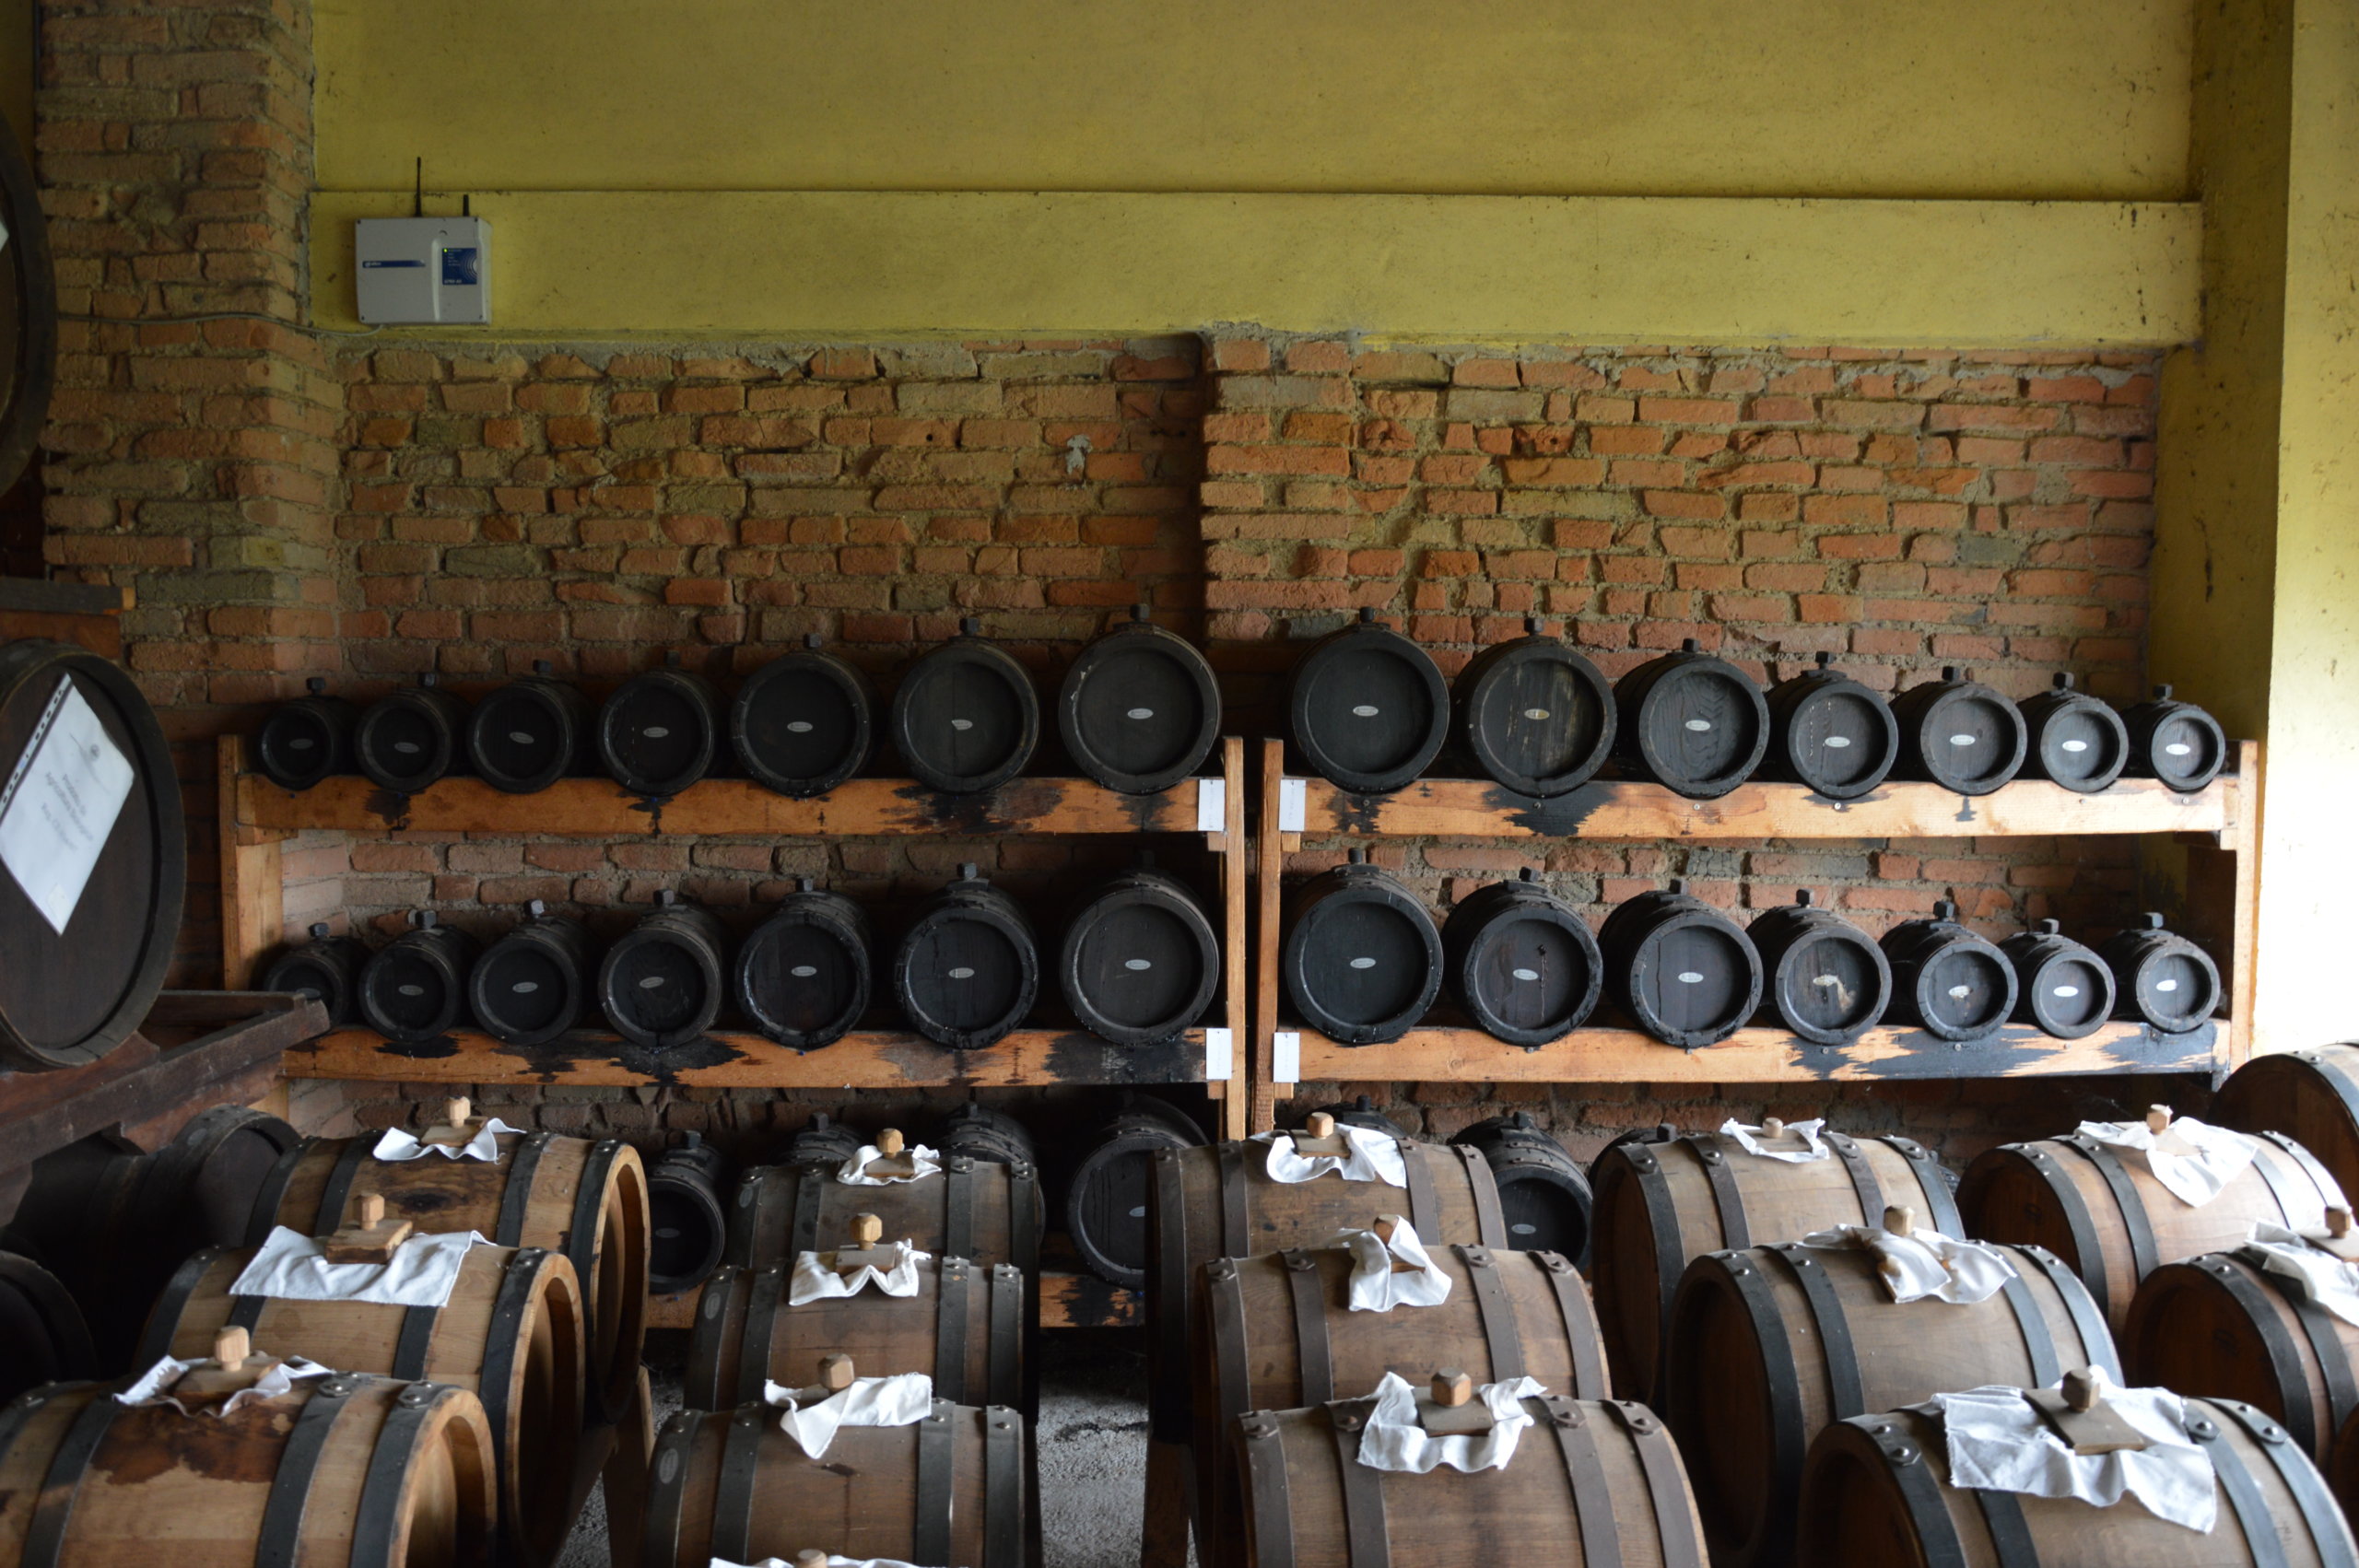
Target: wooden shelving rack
2217	822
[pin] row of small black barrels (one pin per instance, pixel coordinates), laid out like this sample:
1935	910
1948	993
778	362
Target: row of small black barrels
1363	962
1138	962
1138	712
1370	711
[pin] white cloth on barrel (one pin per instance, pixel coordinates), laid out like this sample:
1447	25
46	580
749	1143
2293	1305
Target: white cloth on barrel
2332	1284
901	1401
2205	1159
1395	1439
1368	1155
397	1145
1998	1443
1749	1139
1925	1263
423	1270
155	1385
892	1269
923	1162
1376	1285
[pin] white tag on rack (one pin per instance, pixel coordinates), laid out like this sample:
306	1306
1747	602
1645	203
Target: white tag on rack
1293	806
1212	805
1285	1056
1220	1057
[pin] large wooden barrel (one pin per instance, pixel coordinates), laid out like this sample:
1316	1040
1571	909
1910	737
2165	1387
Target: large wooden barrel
512	1334
968	969
68	996
1543	1193
1366	708
804	975
42	1336
730	1486
2175	742
1830	733
978	1209
965	717
1139	960
2074	738
1276	1332
688	1226
965	1329
1663	1201
530	732
1106	1196
2311	1096
1522	962
328	968
1536	716
1682	971
411	738
587	1200
662	983
307	739
532	984
1771	1344
2061	987
2161	979
1139	710
2226	1328
823	1139
660	731
803	722
1363	960
974	1129
2101	1209
1959	734
413	989
1693	723
1877	1493
1946	980
1603	1480
1821	976
360	1471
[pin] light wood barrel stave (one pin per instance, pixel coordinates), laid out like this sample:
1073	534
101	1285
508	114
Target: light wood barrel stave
975	1209
953	1489
1661	1206
1770	1345
2224	1328
513	1334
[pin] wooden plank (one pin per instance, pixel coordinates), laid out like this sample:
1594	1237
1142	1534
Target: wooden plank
1268	867
1237	861
1472	808
253	886
1758	1056
864	1060
599	808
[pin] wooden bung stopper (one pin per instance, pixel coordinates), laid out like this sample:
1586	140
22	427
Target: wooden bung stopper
458	1110
1900	1220
2084	1387
372	1210
807	1558
1772	1128
836	1373
867	1230
1388	1226
2338	1221
231	1346
1452	1387
2158	1119
1319	1124
890	1142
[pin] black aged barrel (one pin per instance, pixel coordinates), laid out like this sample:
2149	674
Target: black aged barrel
660	731
530	732
1829	732
1522	962
1543	1193
328	966
1822	976
42	1336
662	983
1945	979
2175	742
967	970
1363	959
965	717
2161	979
307	739
1695	724
1367	708
824	1140
1106	1197
412	737
415	987
532	984
2061	986
689	1229
1140	960
979	1209
1959	735
1534	714
803	722
1685	973
804	976
1139	710
1362	1112
2074	738
29	284
980	1132
71	724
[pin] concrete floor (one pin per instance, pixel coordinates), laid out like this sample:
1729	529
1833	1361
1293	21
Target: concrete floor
1093	1456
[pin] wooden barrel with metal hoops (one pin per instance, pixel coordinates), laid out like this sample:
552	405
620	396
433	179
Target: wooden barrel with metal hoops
414	989
729	1485
328	966
1276	1333
2175	742
42	1336
1592	1484
662	982
1139	710
691	1227
2101	1209
2311	1096
1663	1201
530	732
660	730
364	1473
512	1334
966	717
1544	1191
1945	979
1534	714
979	1209
306	740
1694	723
2074	738
803	722
1107	1193
569	1195
532	984
1770	1345
1877	1493
1959	734
1366	708
412	737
